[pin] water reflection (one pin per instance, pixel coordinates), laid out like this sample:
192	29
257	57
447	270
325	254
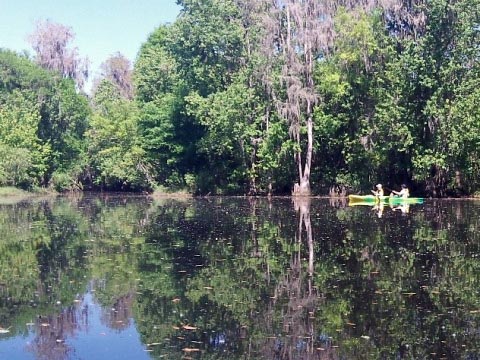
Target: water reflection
128	277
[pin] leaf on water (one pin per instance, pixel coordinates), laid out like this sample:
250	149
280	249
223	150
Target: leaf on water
176	300
4	331
188	327
351	324
474	311
176	327
409	293
189	350
320	349
208	287
366	337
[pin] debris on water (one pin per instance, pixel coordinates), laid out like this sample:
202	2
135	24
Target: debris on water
154	344
4	331
188	327
189	350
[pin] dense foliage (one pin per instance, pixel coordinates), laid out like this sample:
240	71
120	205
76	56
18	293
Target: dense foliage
254	97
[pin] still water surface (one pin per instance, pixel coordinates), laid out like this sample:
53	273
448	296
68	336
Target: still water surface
97	277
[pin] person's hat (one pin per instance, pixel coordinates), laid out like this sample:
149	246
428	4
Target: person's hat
379	185
404	186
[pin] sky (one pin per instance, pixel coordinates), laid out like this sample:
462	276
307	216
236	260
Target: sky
101	27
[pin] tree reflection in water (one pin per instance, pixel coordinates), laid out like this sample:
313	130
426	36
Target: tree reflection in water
298	298
51	332
119	316
243	278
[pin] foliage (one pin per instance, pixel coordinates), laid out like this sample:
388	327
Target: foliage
42	114
24	159
254	96
115	157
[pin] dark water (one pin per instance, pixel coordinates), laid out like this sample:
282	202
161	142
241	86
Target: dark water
231	278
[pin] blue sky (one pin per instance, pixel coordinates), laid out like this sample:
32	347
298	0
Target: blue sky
101	27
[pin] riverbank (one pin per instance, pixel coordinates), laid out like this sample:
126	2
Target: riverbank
12	195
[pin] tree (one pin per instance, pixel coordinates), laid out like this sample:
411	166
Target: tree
23	156
198	55
115	156
159	94
51	44
118	70
44	113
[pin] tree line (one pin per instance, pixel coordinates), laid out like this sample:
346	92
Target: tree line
255	97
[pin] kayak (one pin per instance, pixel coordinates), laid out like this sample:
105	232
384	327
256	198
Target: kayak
372	200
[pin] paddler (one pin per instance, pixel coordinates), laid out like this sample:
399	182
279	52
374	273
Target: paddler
404	193
379	191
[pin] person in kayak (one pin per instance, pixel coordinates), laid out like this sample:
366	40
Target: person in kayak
379	192
404	193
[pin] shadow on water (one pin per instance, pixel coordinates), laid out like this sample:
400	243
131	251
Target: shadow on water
285	278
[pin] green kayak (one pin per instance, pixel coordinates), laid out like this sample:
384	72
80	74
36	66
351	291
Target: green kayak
372	200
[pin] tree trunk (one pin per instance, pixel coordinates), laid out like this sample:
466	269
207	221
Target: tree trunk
303	187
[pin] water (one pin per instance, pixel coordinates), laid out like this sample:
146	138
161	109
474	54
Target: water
96	277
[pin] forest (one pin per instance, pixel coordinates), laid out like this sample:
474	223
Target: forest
255	97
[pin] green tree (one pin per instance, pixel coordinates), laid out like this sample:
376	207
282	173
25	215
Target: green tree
24	158
115	157
198	55
49	116
159	95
